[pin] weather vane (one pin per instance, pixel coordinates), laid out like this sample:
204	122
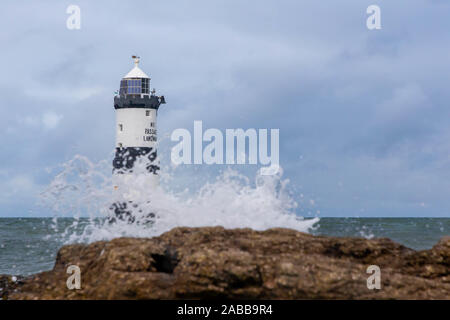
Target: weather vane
136	59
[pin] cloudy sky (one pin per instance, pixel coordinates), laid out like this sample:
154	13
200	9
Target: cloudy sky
364	115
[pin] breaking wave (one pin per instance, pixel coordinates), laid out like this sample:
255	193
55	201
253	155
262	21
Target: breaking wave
83	188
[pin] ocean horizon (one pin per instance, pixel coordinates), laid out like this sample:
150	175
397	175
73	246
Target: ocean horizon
29	245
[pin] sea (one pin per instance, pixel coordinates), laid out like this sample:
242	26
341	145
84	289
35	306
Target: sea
81	197
30	245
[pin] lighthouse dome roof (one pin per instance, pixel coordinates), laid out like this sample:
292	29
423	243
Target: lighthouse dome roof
136	72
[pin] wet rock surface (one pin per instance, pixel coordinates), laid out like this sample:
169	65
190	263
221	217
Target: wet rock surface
213	262
8	284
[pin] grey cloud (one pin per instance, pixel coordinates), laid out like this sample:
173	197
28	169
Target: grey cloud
368	110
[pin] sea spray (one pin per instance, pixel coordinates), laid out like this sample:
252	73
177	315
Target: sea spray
231	200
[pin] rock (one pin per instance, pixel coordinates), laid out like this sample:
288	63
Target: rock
213	262
8	284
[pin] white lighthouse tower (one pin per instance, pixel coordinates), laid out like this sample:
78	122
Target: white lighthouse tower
136	137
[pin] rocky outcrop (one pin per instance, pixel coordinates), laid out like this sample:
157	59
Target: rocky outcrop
8	284
213	262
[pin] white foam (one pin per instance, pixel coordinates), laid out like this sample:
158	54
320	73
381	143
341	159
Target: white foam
231	200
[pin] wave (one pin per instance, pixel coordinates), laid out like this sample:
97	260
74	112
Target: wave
231	199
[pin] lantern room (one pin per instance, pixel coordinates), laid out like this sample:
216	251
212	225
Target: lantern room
136	82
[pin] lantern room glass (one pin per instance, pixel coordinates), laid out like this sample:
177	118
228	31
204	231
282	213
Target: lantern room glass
135	86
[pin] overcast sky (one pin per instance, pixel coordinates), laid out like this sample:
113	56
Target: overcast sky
364	115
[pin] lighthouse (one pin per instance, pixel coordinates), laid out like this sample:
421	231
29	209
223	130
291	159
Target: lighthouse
136	108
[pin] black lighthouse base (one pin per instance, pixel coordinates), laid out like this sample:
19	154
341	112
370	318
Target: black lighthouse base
129	212
125	158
